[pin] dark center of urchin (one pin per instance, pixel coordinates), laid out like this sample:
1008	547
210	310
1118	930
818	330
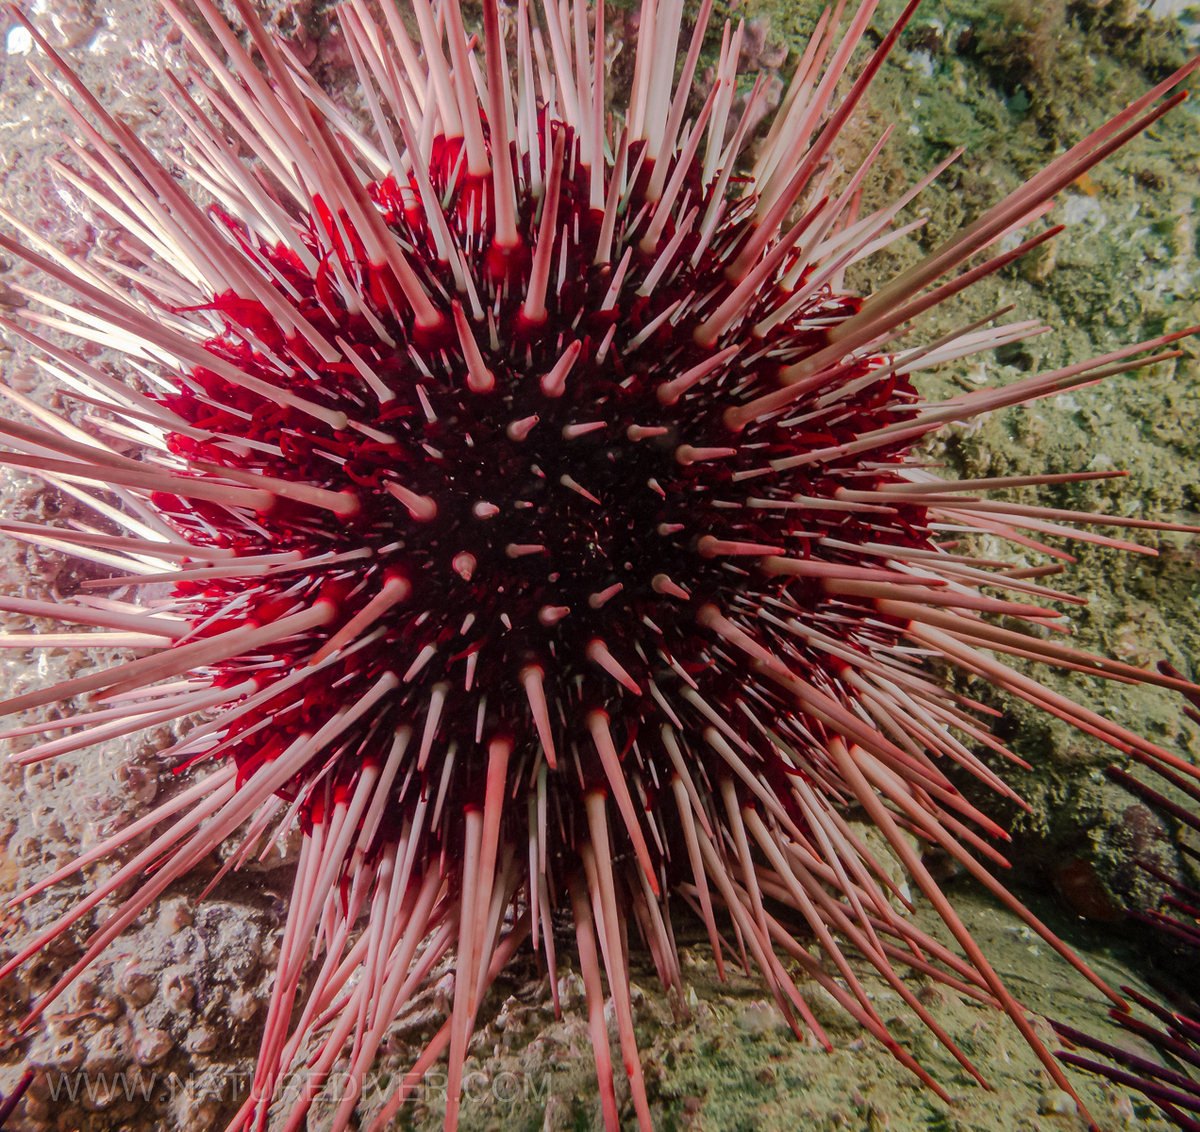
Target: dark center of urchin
554	517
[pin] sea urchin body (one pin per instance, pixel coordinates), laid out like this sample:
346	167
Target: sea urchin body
541	521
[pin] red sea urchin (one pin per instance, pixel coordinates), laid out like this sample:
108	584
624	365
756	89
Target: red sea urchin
543	530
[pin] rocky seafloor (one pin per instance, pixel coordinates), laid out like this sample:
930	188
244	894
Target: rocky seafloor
176	1006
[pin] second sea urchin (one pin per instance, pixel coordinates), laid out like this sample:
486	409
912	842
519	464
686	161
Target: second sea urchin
541	521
